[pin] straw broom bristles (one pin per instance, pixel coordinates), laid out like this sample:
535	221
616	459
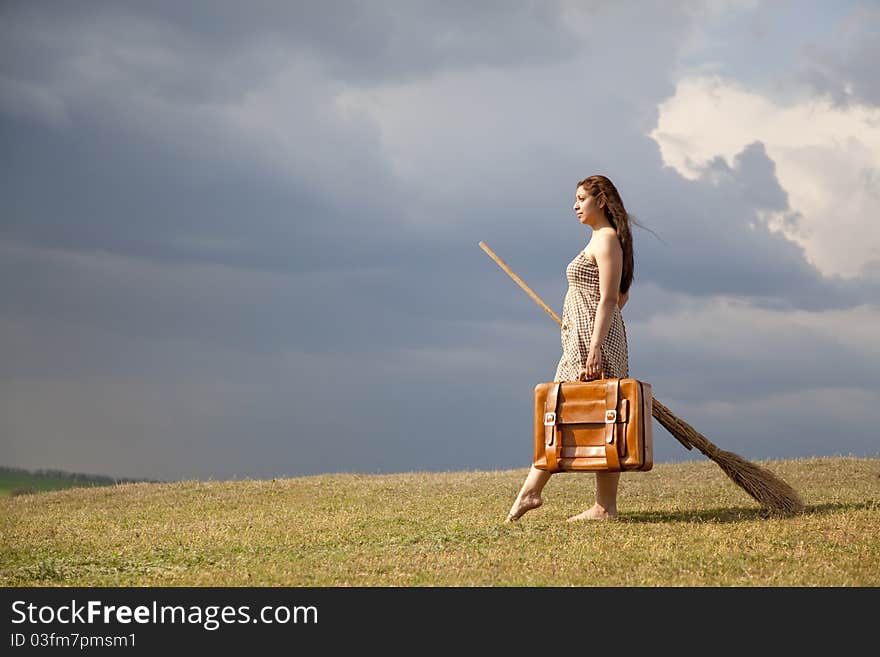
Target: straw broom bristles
761	484
764	486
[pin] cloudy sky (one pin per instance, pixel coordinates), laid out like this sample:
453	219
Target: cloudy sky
242	241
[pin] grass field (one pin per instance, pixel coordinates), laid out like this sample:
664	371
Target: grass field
681	525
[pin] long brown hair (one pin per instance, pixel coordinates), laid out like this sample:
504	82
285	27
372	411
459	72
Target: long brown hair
608	198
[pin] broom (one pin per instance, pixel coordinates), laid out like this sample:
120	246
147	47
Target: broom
761	484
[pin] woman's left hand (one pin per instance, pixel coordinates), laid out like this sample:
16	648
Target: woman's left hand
593	368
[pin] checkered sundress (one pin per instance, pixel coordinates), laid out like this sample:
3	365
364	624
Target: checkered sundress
578	318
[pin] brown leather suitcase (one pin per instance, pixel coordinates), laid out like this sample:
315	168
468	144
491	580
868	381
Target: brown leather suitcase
593	426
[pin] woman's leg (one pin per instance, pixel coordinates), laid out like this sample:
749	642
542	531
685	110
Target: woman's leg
530	494
606	498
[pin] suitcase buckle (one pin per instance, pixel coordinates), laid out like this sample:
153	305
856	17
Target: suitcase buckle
549	419
610	417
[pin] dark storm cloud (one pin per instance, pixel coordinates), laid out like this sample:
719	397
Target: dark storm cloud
93	189
124	73
353	41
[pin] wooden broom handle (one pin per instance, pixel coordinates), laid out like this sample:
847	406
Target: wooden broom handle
520	282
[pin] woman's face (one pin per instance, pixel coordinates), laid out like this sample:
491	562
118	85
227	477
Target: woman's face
584	205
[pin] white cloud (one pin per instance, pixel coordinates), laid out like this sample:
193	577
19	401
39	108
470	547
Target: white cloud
825	160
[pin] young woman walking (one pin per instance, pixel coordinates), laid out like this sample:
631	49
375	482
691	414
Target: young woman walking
593	333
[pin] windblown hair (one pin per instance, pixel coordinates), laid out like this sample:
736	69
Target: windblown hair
608	198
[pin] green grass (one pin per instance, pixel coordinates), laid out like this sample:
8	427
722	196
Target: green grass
681	525
17	482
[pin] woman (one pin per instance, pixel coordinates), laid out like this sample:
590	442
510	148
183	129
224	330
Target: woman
593	334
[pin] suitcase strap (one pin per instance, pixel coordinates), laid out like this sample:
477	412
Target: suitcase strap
551	439
612	393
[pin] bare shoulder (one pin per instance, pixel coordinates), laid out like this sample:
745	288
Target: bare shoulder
604	243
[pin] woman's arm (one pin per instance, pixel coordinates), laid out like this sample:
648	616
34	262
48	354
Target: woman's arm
609	258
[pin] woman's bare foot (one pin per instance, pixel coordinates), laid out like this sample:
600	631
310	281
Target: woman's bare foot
523	504
595	512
